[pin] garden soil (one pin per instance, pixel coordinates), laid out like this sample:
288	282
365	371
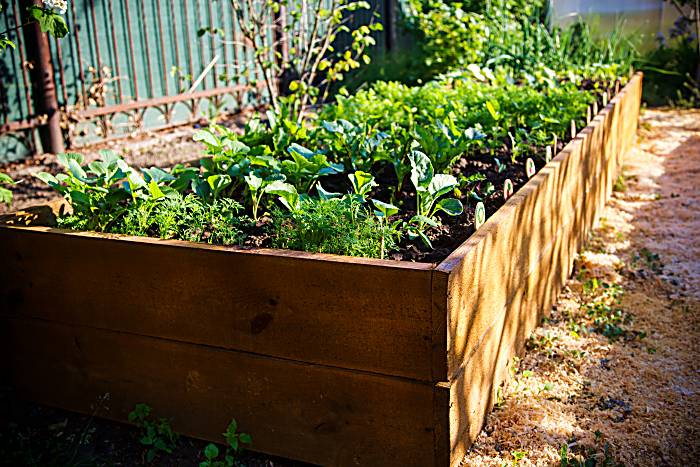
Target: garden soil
632	398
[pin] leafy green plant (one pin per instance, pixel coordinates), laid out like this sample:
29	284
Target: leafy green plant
307	166
156	435
356	146
5	193
234	446
430	188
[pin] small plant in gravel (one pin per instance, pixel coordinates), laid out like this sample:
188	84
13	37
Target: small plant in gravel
156	435
235	442
602	307
587	457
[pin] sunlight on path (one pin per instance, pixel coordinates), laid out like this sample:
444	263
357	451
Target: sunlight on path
614	374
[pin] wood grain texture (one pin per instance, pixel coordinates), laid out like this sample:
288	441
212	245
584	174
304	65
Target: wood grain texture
308	412
504	277
365	315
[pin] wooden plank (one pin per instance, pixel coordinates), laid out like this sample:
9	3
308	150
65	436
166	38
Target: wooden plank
503	277
371	316
308	412
486	270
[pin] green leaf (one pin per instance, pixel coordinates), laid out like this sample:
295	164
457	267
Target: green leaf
297	149
218	183
206	137
254	182
245	438
287	193
362	182
425	220
64	158
79	198
421	169
451	206
441	184
386	209
5	196
491	107
211	452
49	21
155	190
6	179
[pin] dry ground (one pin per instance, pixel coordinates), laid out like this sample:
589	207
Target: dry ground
626	393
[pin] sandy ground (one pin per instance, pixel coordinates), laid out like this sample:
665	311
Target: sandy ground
632	396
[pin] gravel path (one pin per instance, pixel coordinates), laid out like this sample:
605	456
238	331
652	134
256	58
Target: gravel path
628	393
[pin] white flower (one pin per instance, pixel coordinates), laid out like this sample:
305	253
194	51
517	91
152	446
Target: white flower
60	5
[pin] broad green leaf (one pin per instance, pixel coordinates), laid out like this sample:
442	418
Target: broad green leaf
441	184
491	107
254	182
451	206
386	209
206	137
288	195
421	169
295	148
63	158
5	196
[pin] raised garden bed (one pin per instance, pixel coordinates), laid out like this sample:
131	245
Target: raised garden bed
327	359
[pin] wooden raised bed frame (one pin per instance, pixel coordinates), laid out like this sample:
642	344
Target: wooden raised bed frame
327	359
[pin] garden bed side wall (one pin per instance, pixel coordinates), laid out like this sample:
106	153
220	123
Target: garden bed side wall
502	279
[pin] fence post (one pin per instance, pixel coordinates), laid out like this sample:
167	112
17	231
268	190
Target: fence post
44	87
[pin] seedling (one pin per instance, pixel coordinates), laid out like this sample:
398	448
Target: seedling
234	446
156	435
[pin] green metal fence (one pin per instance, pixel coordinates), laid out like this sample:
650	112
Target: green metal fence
129	65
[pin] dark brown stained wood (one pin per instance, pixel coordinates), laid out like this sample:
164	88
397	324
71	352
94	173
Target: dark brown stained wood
350	313
300	411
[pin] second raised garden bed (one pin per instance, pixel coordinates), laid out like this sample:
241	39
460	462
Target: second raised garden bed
327	359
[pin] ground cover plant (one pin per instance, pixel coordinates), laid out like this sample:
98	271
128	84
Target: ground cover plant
390	172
